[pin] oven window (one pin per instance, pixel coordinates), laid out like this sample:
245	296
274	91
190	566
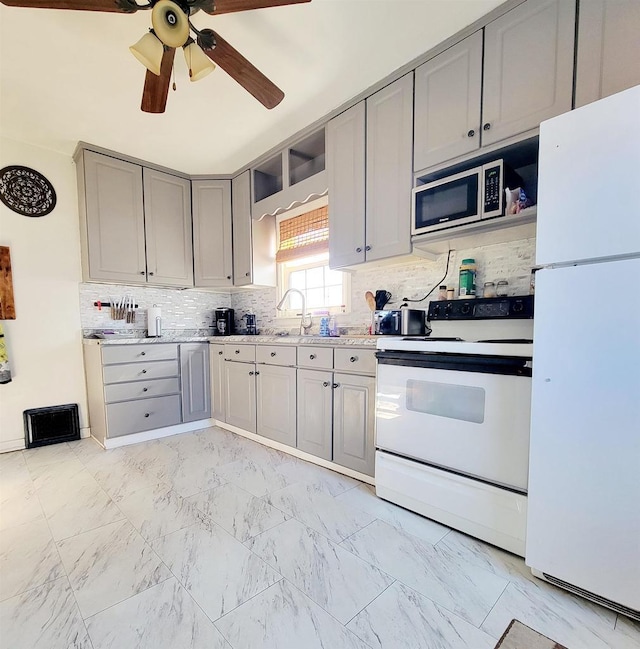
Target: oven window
463	402
450	201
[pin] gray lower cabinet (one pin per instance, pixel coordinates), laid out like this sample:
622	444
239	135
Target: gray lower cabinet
216	357
528	67
315	412
608	52
240	395
194	375
276	403
137	416
353	422
212	253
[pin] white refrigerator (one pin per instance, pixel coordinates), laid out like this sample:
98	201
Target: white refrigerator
583	525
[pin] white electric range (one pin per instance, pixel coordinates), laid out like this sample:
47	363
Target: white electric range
452	418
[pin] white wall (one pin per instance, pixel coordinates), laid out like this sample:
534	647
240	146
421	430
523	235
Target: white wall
44	342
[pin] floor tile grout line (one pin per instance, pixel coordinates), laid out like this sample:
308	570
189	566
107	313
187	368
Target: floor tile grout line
371	602
494	604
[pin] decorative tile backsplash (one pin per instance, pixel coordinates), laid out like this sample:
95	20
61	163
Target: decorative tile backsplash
511	261
181	309
193	309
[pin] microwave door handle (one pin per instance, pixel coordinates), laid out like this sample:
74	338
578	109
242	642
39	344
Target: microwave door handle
395	322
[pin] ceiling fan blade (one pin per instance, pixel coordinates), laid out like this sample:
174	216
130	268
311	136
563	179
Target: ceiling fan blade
156	87
245	73
118	6
229	6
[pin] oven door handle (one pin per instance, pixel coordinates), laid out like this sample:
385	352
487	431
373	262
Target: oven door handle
506	365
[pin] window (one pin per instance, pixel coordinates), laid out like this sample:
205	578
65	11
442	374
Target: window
303	263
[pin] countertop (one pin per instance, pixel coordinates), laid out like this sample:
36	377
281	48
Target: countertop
341	341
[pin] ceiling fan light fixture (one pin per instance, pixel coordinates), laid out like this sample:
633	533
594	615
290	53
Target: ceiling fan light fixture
170	23
149	50
199	64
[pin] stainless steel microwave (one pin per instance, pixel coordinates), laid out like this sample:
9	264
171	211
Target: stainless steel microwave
462	198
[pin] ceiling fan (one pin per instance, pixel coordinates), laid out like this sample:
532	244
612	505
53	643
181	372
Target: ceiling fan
172	28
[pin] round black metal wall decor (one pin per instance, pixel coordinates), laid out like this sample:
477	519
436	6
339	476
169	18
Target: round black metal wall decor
26	191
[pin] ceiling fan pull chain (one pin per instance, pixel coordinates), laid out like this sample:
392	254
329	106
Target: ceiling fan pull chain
173	72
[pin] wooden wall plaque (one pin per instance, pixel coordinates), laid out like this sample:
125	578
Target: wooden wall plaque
7	305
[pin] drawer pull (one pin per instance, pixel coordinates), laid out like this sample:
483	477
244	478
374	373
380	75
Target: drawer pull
273	354
312	356
145	389
144	371
257	373
353	359
143	353
237	351
220	353
251	373
336	385
146	414
325	384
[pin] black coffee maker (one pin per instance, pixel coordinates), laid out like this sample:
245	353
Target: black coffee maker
224	323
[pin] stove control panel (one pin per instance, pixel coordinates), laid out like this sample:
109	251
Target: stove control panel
487	308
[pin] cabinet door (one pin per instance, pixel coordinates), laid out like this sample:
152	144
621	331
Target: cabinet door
115	219
240	395
608	58
448	95
194	376
353	422
167	218
389	170
315	413
276	403
528	67
241	199
346	180
216	354
212	254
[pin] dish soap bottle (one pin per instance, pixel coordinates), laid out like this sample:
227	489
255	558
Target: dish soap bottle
467	278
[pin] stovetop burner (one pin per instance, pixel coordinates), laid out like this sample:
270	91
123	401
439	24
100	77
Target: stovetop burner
512	341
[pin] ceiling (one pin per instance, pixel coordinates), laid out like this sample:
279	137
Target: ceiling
67	76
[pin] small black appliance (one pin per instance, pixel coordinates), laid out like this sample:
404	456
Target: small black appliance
224	323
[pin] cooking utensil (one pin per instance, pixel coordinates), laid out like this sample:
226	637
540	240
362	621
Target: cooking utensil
382	297
371	300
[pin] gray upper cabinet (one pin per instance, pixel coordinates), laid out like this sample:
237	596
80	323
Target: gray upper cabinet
167	211
389	170
528	67
113	227
346	180
608	59
196	388
254	241
315	408
448	95
276	403
212	254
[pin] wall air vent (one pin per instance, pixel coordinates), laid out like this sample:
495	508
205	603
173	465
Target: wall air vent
43	426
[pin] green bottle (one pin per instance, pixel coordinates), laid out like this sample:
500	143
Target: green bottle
467	278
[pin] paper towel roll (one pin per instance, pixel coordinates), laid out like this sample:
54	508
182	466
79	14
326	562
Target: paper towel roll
154	321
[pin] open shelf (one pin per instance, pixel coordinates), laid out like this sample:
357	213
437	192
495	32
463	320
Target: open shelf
307	157
267	178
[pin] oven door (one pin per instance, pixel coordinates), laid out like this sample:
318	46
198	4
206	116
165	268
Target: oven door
466	414
453	200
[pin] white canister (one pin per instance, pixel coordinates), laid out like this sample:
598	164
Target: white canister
154	321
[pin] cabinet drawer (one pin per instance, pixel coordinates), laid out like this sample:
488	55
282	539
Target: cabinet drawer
362	361
137	353
242	353
315	357
274	355
140	371
145	414
140	389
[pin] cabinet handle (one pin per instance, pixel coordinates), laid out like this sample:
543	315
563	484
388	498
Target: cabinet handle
336	385
144	389
237	351
312	356
247	274
471	133
325	384
146	414
353	359
144	371
358	249
257	373
487	126
143	353
228	276
142	272
220	353
273	354
251	373
367	248
150	273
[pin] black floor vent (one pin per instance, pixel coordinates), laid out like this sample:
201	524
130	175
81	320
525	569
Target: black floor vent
629	612
51	425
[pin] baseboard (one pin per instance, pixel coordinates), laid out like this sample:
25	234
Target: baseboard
12	445
85	432
265	441
157	433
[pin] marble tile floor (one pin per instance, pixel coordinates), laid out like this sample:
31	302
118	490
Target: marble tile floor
208	540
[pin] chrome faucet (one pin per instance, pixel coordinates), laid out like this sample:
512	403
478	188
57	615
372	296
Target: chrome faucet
305	324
